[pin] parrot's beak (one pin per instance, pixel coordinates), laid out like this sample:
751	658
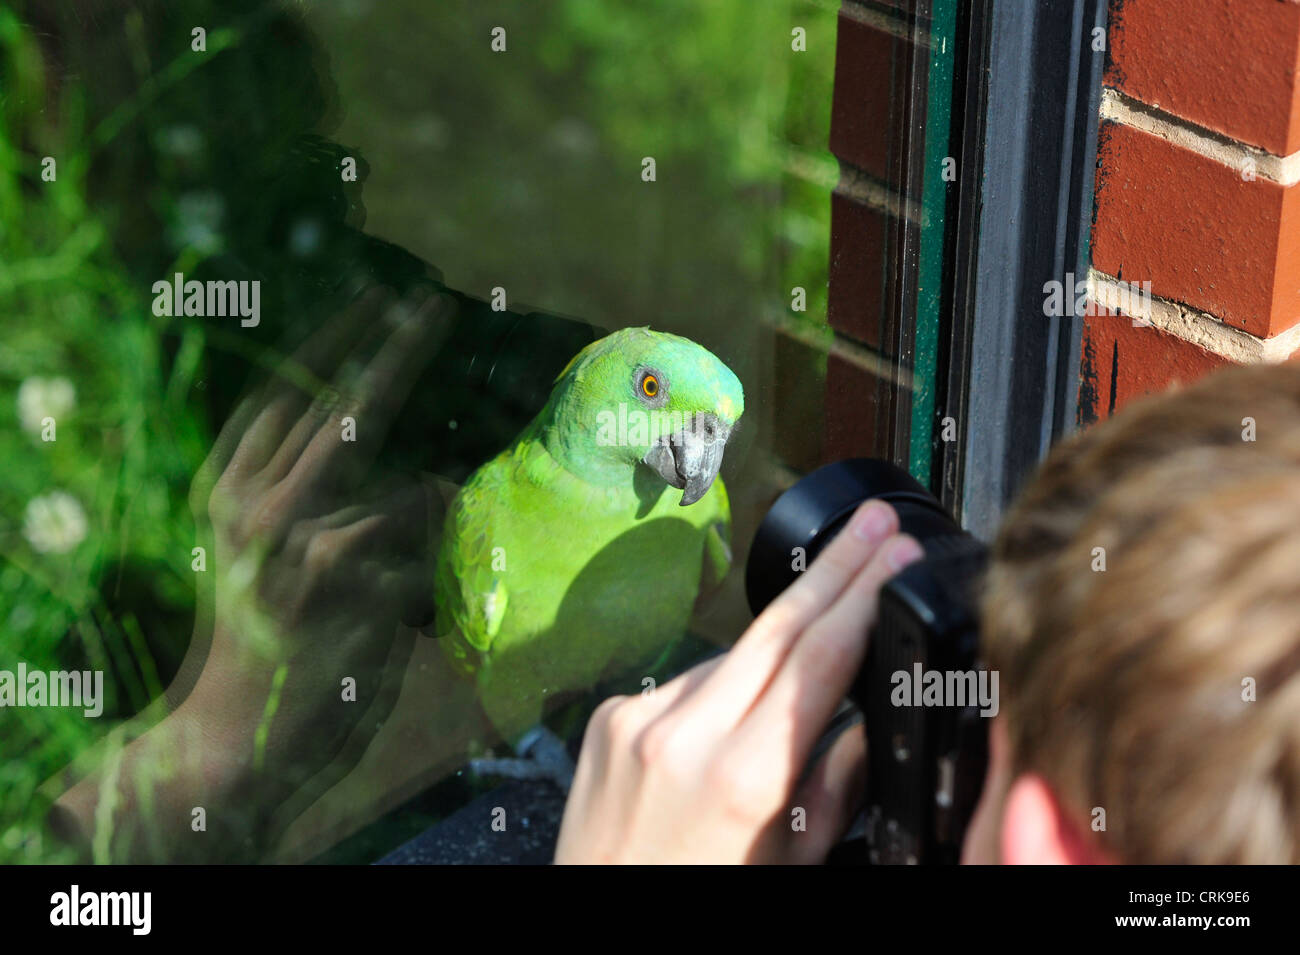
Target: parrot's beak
691	458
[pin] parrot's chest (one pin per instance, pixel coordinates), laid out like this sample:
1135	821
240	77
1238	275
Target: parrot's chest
586	598
615	560
603	579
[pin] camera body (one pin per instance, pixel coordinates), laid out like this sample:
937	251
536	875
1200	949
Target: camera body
927	742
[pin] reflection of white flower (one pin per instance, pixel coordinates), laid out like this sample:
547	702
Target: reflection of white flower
572	135
55	523
196	221
183	141
39	398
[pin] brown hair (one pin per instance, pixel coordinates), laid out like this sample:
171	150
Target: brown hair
1143	609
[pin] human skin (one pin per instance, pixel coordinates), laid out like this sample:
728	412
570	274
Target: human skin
318	562
319	566
707	768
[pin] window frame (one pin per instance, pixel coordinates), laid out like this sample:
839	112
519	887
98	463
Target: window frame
1028	132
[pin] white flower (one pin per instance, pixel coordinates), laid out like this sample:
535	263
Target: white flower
55	523
39	398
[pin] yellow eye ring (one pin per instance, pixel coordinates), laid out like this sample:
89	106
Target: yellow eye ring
650	386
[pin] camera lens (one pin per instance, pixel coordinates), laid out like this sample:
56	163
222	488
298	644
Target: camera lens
806	517
926	762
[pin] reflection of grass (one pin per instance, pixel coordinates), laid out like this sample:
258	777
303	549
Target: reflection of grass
741	126
125	452
523	170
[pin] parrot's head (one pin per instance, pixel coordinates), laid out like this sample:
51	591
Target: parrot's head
644	398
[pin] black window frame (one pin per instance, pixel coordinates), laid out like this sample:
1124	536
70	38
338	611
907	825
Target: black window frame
1030	94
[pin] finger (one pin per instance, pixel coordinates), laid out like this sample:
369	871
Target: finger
316	359
406	527
376	539
214	465
366	557
814	678
593	767
379	394
330	374
302	375
831	796
663	698
755	659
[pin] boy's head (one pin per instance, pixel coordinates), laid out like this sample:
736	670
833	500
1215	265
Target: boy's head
1143	610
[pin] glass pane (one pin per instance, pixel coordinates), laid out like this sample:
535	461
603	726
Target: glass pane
281	281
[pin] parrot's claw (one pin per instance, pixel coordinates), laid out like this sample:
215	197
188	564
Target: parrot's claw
542	755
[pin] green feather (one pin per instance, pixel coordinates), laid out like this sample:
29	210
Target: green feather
565	558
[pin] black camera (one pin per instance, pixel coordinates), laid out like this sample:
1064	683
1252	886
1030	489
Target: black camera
922	694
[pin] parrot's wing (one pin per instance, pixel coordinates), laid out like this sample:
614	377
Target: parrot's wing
469	589
717	555
717	543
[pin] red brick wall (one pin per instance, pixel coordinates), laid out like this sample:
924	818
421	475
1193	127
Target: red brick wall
874	59
1198	193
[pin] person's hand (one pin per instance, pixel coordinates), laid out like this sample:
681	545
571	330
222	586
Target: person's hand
707	768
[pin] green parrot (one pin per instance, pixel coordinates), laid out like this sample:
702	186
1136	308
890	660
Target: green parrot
572	554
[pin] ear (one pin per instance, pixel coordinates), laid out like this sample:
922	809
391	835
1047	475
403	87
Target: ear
1037	831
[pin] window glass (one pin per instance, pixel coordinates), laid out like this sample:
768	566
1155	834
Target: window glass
278	280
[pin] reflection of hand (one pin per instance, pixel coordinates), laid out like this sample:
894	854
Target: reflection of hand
318	568
317	564
707	768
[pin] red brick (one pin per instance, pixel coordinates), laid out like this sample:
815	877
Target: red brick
1229	65
863	242
857	402
872	76
1122	362
1197	231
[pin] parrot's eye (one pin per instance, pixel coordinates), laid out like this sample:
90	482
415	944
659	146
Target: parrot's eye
651	387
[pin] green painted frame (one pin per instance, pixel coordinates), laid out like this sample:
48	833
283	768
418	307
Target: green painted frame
942	39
